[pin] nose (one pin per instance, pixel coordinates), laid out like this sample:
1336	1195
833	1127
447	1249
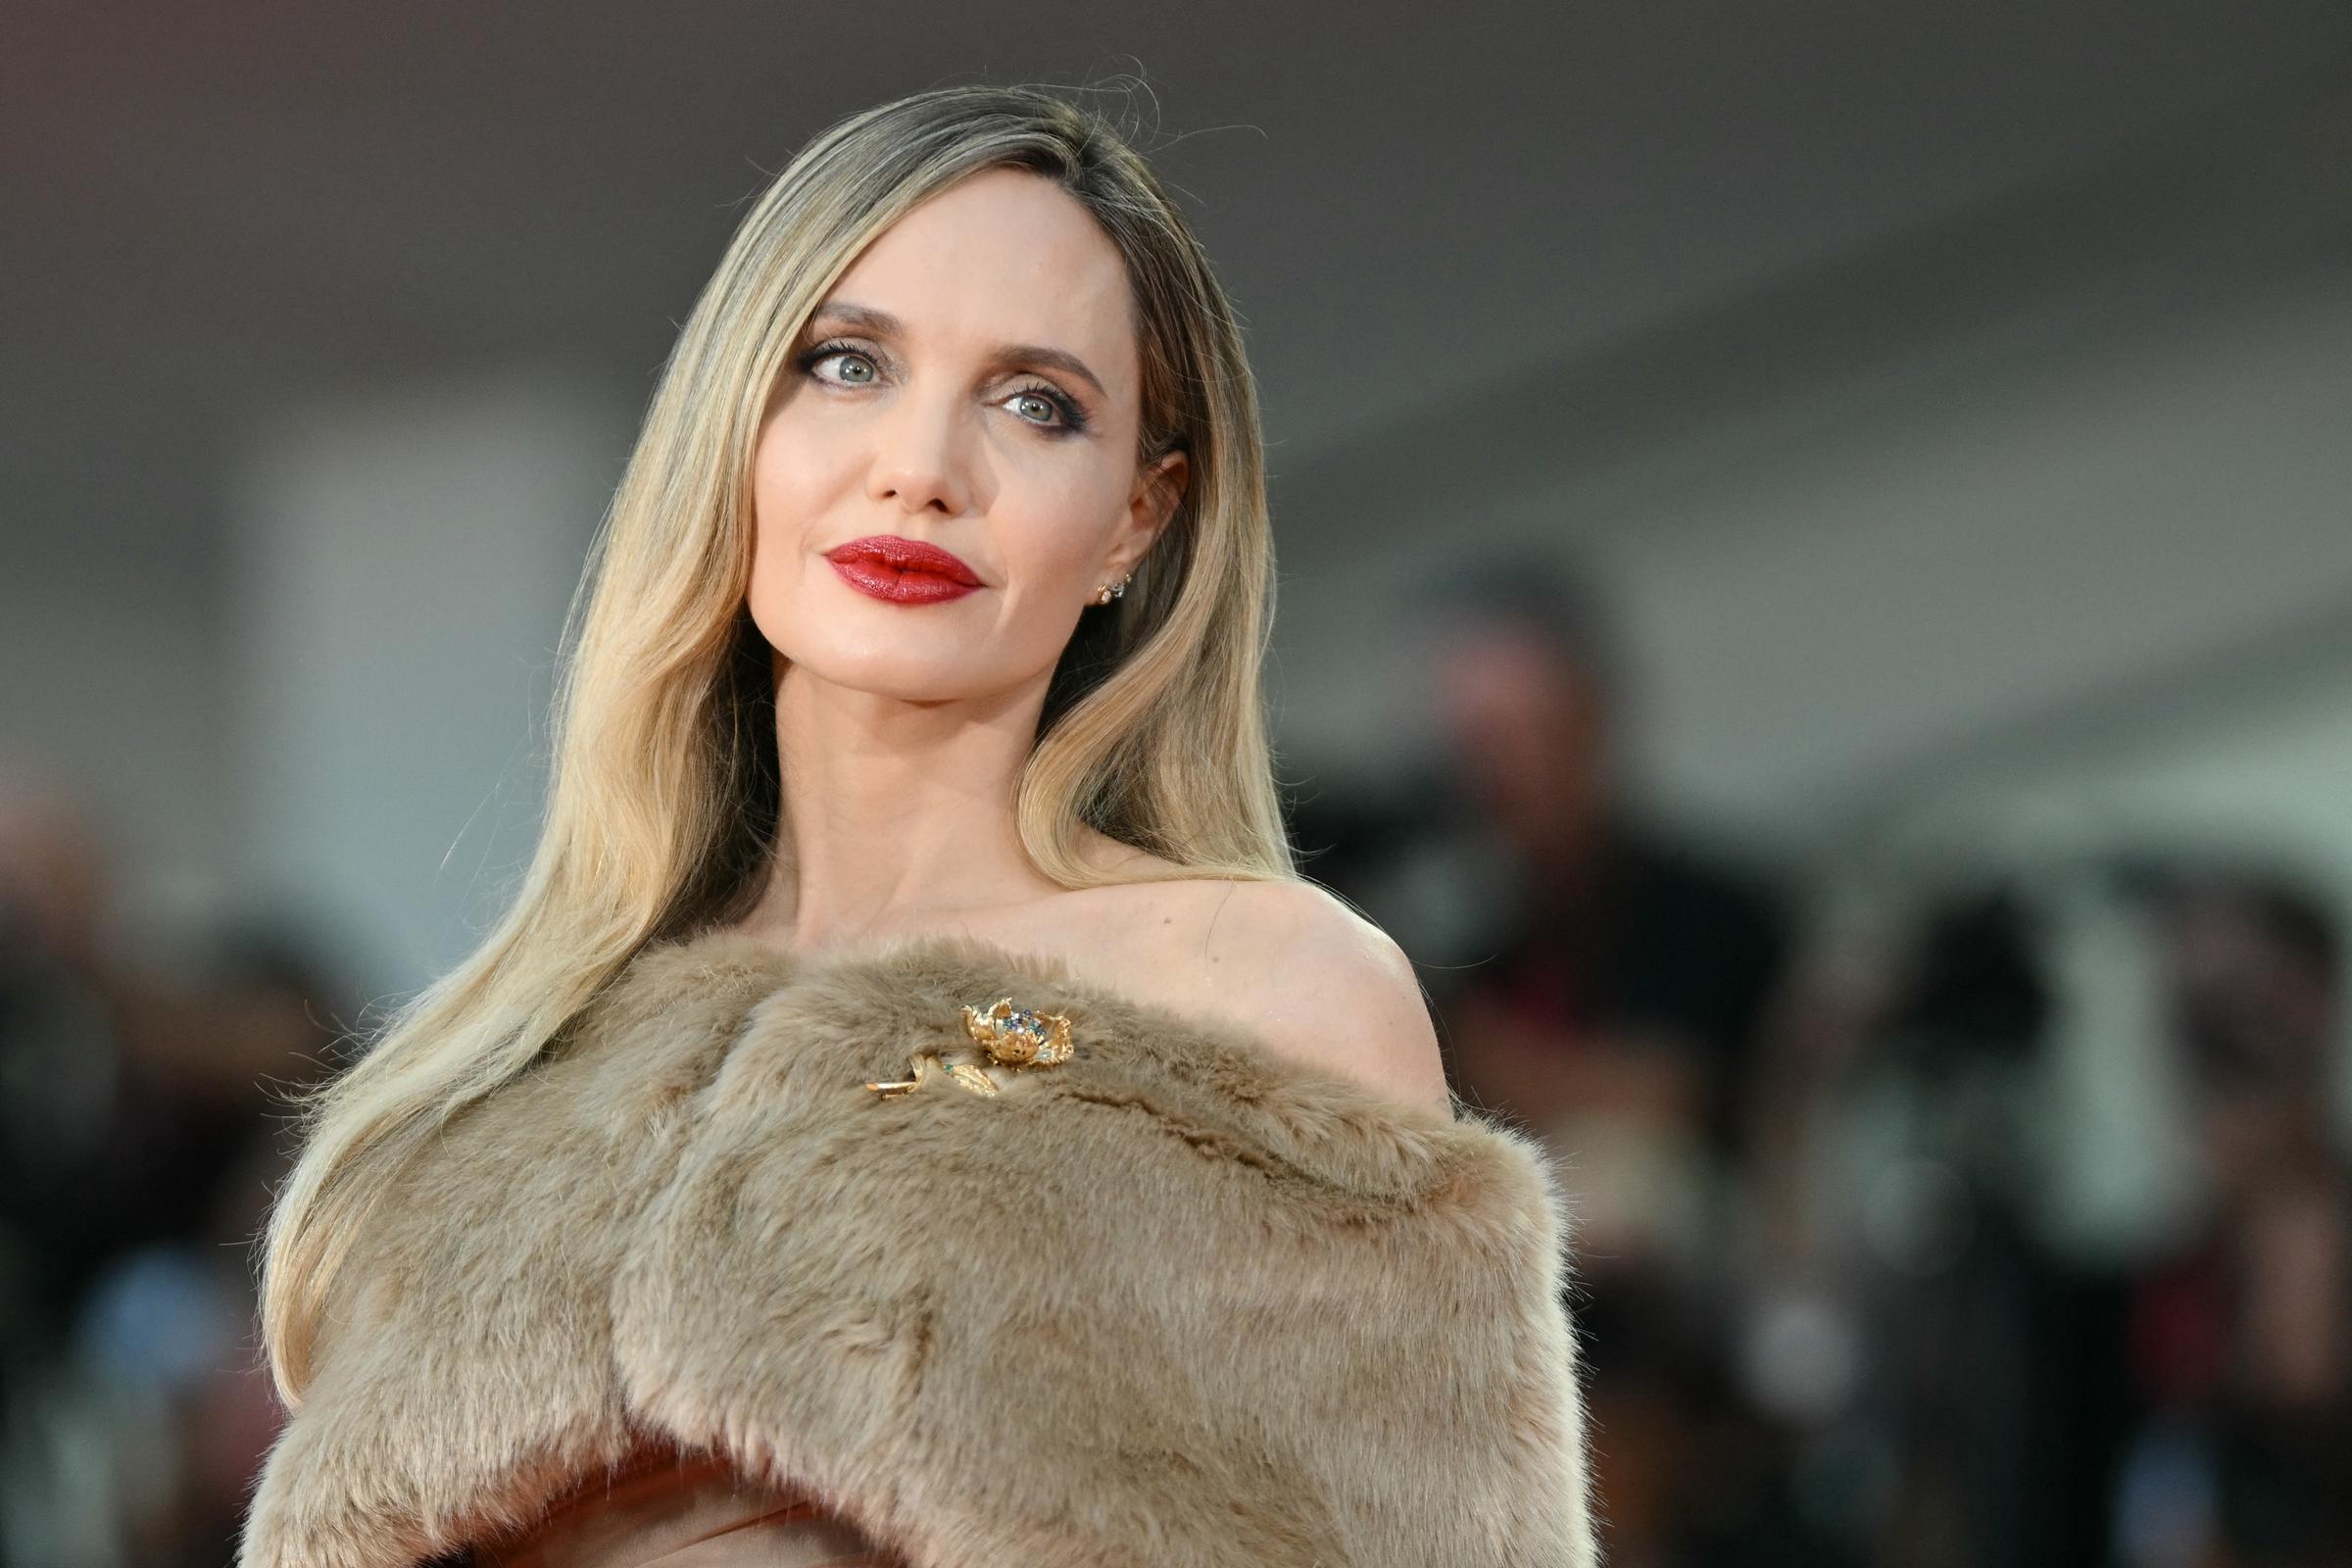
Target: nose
919	460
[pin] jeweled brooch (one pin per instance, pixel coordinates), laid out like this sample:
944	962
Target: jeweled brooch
1005	1036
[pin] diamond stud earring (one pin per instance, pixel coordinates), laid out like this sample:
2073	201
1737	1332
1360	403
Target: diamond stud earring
1111	590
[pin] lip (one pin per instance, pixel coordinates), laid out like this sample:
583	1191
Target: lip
904	571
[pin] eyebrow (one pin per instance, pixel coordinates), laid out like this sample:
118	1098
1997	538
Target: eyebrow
881	323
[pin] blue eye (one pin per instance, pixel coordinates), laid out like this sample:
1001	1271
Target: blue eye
1046	408
850	367
1034	407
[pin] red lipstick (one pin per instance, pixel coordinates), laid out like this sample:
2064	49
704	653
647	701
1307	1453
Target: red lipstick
904	571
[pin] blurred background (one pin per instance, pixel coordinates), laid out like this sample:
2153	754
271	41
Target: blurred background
1816	602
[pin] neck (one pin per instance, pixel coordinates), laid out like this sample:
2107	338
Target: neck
893	810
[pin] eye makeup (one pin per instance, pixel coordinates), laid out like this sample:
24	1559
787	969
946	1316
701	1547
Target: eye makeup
1073	419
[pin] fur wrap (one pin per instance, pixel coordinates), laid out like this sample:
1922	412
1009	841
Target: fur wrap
1177	1303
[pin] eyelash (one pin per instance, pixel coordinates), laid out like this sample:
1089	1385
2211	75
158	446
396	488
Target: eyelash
1073	420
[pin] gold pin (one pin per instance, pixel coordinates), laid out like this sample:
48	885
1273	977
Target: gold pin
1007	1037
1015	1037
973	1078
920	1066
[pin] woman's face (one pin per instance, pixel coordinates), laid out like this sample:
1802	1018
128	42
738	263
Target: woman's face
971	385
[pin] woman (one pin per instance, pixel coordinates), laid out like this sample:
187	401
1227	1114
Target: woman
914	1109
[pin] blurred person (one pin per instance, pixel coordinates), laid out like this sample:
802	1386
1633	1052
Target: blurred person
127	1090
1979	1394
914	1110
136	1149
1947	1371
2240	1343
1600	977
1625	967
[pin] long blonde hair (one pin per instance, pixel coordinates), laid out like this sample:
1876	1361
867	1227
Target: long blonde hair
662	814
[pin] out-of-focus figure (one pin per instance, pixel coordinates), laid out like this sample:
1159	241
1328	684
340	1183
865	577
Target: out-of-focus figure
2011	1392
2240	1344
136	1154
1619	969
1599	979
1949	1377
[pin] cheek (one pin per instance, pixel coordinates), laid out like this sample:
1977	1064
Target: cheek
1052	525
791	474
795	482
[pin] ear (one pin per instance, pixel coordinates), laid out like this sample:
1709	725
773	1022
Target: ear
1160	487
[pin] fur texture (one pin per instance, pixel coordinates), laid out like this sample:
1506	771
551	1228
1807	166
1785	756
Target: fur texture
1175	1304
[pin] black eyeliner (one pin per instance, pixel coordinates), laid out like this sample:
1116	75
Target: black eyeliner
1072	416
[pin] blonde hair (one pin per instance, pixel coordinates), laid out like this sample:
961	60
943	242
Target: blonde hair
662	814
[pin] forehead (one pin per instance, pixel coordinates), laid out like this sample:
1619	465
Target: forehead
1002	257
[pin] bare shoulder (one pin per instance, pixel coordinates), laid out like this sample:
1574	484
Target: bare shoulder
1314	979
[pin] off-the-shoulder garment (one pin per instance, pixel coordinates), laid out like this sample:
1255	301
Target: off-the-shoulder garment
1171	1301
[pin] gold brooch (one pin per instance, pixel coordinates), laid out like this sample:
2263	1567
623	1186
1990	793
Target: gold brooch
1006	1037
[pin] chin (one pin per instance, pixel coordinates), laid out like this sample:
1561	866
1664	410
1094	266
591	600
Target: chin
903	674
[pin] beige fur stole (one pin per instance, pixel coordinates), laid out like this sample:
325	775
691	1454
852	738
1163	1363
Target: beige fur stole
1176	1303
